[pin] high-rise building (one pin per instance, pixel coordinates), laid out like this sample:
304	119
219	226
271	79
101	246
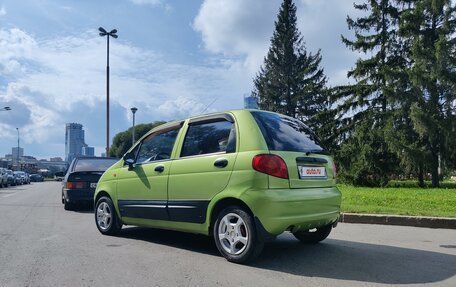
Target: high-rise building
250	102
88	151
74	141
15	154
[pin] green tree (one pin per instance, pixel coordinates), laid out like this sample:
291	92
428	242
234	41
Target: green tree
366	106
429	26
291	80
122	141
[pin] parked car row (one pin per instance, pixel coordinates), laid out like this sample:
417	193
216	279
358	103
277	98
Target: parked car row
13	178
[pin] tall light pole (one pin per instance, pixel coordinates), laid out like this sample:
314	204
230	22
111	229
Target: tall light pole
17	147
113	34
133	110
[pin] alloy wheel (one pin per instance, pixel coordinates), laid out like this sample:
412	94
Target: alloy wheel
104	216
233	234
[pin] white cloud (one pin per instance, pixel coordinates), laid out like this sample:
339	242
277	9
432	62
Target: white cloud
237	27
49	82
160	3
2	11
147	2
67	8
242	30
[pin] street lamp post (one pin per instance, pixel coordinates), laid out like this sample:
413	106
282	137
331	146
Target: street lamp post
113	34
133	110
18	165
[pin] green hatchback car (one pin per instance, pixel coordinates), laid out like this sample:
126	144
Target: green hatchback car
240	176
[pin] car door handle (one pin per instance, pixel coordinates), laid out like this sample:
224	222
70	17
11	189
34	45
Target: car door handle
159	168
221	162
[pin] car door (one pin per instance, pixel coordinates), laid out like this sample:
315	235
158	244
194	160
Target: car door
206	160
142	187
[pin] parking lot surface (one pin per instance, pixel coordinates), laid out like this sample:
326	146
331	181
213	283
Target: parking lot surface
41	244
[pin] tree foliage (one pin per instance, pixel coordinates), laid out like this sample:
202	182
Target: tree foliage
399	116
123	140
429	26
404	91
291	80
366	105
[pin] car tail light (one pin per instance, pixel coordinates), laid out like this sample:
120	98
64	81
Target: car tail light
75	185
270	164
334	169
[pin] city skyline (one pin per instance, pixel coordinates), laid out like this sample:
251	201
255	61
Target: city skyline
52	63
74	141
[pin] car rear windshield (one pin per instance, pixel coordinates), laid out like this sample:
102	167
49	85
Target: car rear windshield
284	133
93	164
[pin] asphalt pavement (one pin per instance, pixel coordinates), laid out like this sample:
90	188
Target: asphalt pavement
41	244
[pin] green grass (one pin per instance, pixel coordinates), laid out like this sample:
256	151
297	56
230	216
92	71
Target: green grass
414	183
439	202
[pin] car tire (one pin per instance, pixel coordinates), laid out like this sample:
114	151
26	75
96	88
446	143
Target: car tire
235	235
313	236
106	219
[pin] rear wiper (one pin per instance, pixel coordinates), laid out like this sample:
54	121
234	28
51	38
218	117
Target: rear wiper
314	151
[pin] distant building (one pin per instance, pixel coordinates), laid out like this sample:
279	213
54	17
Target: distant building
250	102
52	166
74	141
53	159
88	151
4	162
14	152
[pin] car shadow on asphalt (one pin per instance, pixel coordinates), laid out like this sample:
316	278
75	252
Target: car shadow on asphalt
349	260
84	208
188	241
335	259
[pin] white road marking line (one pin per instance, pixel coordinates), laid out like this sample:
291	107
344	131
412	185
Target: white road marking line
8	195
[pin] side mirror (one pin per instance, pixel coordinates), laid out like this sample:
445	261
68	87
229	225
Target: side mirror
130	162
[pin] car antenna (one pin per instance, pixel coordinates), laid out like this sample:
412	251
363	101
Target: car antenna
209	105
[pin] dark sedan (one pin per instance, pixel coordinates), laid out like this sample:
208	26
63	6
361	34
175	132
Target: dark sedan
81	180
36	177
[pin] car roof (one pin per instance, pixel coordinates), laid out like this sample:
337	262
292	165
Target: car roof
176	122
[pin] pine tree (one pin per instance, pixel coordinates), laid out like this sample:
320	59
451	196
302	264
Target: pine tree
291	80
367	105
429	26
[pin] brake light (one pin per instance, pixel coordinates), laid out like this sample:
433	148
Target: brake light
270	164
334	169
75	185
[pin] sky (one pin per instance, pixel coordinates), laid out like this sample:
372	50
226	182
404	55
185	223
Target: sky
172	60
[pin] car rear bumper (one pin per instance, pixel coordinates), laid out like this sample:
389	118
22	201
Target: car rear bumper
79	195
279	210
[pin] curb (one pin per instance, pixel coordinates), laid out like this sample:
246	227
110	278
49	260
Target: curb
417	221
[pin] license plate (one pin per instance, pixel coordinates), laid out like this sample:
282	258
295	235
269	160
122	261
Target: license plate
93	185
312	171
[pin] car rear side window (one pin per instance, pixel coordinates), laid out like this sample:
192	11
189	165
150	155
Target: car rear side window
94	164
283	133
206	138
